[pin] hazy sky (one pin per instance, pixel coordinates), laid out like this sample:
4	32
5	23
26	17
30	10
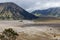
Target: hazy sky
31	5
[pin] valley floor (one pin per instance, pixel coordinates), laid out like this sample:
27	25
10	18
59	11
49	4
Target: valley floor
30	30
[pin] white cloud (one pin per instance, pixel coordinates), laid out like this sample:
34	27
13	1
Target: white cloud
42	6
53	4
38	3
31	5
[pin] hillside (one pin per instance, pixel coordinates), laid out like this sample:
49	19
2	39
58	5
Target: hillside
48	12
11	11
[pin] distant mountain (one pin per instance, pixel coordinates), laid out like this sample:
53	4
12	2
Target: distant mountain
42	12
12	11
54	12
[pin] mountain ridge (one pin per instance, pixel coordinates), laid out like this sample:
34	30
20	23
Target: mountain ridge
49	12
11	10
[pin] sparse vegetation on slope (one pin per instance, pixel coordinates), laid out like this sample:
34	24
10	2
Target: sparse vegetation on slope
8	34
11	11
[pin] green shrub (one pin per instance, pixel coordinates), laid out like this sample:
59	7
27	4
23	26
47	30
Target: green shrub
8	34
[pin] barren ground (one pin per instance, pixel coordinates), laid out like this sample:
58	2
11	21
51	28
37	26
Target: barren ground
30	30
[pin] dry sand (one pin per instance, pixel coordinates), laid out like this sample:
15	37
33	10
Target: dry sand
31	32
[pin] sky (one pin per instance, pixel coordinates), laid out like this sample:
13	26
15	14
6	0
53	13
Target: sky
31	5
